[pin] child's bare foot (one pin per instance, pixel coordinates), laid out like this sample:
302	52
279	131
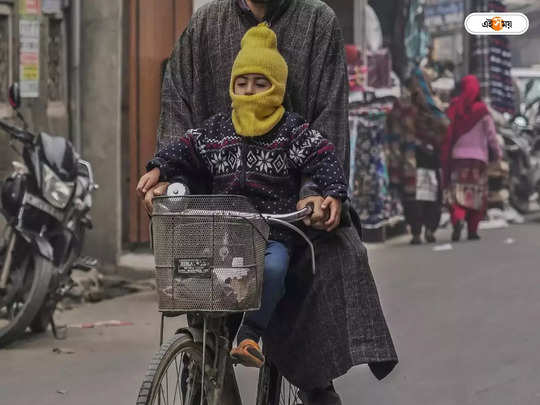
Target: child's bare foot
248	353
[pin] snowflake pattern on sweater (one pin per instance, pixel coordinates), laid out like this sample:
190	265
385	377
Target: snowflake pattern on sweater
266	169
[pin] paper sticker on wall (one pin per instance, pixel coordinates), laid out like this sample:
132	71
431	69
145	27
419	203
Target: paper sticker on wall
32	7
29	57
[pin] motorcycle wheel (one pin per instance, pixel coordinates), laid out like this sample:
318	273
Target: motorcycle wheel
18	312
42	319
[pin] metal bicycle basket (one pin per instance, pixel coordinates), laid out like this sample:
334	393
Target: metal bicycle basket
209	253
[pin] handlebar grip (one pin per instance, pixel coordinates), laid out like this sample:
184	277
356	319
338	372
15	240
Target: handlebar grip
310	208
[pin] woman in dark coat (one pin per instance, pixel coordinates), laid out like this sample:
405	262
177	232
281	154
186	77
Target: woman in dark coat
335	317
425	128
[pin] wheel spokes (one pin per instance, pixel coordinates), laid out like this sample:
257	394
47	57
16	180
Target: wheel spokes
184	379
178	377
288	393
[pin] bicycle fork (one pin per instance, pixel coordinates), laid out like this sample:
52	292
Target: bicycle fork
220	374
218	380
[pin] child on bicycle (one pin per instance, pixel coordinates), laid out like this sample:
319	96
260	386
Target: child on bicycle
259	151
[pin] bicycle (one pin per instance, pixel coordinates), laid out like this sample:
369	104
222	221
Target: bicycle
209	253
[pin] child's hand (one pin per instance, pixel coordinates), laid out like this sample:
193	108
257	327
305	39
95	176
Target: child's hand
157	190
148	181
334	205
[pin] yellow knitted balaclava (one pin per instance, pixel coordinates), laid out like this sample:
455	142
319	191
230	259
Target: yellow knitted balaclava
257	114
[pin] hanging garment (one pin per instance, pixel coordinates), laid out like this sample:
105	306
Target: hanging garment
491	62
369	193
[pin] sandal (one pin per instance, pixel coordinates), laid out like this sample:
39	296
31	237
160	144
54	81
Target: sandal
248	353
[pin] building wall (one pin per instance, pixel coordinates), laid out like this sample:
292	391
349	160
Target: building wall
7	75
101	85
49	112
153	30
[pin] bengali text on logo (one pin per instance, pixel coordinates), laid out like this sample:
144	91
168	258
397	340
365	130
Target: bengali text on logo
496	23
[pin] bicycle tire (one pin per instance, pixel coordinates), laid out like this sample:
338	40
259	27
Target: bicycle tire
274	389
159	366
38	291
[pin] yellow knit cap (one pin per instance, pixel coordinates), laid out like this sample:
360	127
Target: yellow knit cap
257	114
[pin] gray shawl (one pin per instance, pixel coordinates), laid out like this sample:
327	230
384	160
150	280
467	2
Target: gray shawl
333	321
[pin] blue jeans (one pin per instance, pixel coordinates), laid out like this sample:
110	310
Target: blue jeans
276	264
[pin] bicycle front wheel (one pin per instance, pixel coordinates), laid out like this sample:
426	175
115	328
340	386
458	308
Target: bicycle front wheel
175	373
274	389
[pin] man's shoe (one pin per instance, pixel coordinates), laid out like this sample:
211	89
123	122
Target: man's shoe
416	240
456	235
320	396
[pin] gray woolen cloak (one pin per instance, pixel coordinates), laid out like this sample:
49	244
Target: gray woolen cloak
330	322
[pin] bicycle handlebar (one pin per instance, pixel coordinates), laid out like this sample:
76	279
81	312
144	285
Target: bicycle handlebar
178	189
293	216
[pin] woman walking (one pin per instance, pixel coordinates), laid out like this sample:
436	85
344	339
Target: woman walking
470	143
418	127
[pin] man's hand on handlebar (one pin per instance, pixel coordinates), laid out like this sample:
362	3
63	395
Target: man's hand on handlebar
334	205
326	212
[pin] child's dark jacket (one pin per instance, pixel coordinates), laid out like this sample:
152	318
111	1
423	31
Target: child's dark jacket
267	169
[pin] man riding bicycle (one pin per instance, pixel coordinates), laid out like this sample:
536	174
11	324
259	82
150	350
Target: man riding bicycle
332	321
259	151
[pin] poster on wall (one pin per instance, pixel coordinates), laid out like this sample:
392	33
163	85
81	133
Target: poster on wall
29	57
51	6
30	7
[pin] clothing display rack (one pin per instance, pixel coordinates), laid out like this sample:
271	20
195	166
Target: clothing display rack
379	209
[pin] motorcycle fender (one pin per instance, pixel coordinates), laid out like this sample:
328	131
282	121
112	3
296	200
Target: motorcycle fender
42	245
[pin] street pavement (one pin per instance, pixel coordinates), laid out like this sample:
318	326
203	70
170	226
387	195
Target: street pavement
465	323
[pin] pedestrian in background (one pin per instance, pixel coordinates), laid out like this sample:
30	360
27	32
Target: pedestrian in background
470	143
419	127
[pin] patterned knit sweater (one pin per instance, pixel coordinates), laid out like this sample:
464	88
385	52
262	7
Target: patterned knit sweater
266	169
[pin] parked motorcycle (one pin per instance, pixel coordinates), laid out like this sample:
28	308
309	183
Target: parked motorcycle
522	148
45	212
